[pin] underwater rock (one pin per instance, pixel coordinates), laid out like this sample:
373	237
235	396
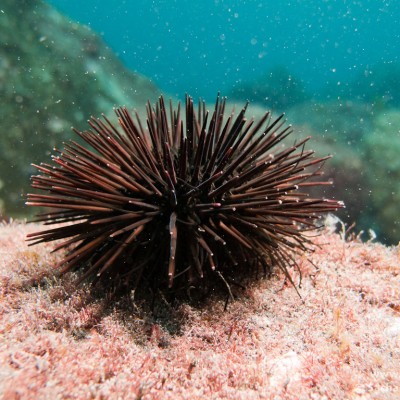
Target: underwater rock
382	149
344	122
341	342
277	89
49	66
365	168
339	136
378	84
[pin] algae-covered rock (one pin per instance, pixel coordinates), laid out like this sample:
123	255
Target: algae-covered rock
382	151
378	84
338	128
54	74
277	89
346	122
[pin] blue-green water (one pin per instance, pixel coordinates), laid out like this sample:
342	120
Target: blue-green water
202	47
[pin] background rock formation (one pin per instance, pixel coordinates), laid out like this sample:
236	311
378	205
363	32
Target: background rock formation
54	74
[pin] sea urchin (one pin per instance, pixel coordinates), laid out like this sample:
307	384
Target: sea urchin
182	203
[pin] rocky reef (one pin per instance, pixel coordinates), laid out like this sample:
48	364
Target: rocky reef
277	88
54	74
361	133
382	149
364	140
341	341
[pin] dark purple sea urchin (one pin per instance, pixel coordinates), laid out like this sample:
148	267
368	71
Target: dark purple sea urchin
179	204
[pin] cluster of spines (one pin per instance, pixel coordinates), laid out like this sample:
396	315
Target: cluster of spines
179	199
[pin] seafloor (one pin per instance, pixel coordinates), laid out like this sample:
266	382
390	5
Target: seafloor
342	340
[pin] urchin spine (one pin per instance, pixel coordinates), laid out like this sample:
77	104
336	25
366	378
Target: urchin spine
174	201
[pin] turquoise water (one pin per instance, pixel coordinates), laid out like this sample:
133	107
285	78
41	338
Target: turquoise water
202	47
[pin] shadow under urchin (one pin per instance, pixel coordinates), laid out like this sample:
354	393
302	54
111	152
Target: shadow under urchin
176	204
